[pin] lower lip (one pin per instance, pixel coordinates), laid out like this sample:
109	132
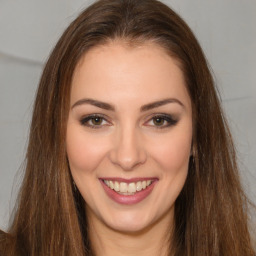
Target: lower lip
128	199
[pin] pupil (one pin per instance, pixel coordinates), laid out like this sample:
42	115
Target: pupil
97	120
158	121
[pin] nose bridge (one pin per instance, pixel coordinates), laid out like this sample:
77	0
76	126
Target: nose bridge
128	150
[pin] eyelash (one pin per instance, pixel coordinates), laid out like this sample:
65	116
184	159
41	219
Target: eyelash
85	121
168	119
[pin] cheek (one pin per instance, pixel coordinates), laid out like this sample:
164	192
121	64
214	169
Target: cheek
173	152
84	152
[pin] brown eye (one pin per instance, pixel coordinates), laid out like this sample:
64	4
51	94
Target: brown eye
158	121
96	120
161	121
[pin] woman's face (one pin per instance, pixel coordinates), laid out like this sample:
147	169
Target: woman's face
129	134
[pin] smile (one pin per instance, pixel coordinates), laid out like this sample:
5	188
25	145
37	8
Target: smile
128	192
128	188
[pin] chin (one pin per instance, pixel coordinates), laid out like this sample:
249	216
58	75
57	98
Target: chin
129	222
131	227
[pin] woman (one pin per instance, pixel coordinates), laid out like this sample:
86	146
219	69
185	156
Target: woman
129	151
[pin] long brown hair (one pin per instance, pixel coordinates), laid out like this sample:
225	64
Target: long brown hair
210	212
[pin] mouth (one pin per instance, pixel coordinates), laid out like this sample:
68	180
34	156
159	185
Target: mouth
125	188
130	191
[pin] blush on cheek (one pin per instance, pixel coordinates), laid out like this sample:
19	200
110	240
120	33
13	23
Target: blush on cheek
84	153
77	152
172	154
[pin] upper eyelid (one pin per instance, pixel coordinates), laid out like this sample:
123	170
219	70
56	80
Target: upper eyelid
146	119
90	116
95	115
170	119
163	115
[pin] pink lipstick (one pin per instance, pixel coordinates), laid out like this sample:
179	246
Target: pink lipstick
128	191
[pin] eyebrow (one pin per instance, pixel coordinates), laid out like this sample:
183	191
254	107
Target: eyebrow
107	106
95	103
159	104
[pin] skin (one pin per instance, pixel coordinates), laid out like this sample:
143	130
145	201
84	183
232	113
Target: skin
129	143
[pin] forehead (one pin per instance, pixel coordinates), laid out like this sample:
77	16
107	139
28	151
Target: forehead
118	71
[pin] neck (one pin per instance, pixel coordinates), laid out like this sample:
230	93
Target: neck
153	240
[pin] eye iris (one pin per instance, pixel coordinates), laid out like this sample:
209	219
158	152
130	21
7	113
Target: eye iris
96	120
158	121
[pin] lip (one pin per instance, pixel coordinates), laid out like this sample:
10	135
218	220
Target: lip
128	199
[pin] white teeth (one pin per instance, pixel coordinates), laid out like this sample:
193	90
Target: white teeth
139	186
116	186
144	184
123	187
111	184
127	188
131	187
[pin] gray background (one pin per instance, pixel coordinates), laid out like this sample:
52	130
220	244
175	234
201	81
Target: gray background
29	29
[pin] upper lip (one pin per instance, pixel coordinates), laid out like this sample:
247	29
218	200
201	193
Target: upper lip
129	180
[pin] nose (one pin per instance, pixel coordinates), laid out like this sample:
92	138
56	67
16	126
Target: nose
128	151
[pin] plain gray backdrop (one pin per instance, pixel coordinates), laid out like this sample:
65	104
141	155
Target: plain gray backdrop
29	29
